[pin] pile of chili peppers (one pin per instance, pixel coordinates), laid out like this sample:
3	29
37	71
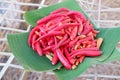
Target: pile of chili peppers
67	35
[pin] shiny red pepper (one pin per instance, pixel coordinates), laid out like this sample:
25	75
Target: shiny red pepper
87	53
55	58
39	49
62	59
61	41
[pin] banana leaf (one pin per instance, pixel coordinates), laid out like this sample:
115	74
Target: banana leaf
32	62
27	57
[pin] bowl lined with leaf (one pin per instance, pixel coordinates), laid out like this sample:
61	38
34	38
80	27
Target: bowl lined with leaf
49	35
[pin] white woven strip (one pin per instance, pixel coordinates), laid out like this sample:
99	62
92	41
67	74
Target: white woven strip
6	66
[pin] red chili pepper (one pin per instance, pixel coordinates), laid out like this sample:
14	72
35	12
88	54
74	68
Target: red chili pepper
62	59
81	59
38	48
51	28
50	34
49	24
71	43
68	32
48	48
84	39
78	14
85	49
71	60
31	35
55	58
66	26
33	40
87	53
80	28
61	41
42	30
74	32
60	11
66	20
87	42
47	18
51	41
42	43
66	42
87	28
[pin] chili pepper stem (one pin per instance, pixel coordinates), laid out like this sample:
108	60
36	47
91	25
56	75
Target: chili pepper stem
99	42
49	57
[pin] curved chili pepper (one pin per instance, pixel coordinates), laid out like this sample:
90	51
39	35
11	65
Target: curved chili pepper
60	11
50	34
55	58
67	32
62	59
31	35
42	30
85	49
66	42
71	43
80	15
87	28
80	28
47	18
42	43
87	53
85	39
33	40
66	26
71	60
38	48
61	41
48	48
51	41
74	32
81	58
66	20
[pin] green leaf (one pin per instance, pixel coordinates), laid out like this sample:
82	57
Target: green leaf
110	41
26	56
114	56
31	61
